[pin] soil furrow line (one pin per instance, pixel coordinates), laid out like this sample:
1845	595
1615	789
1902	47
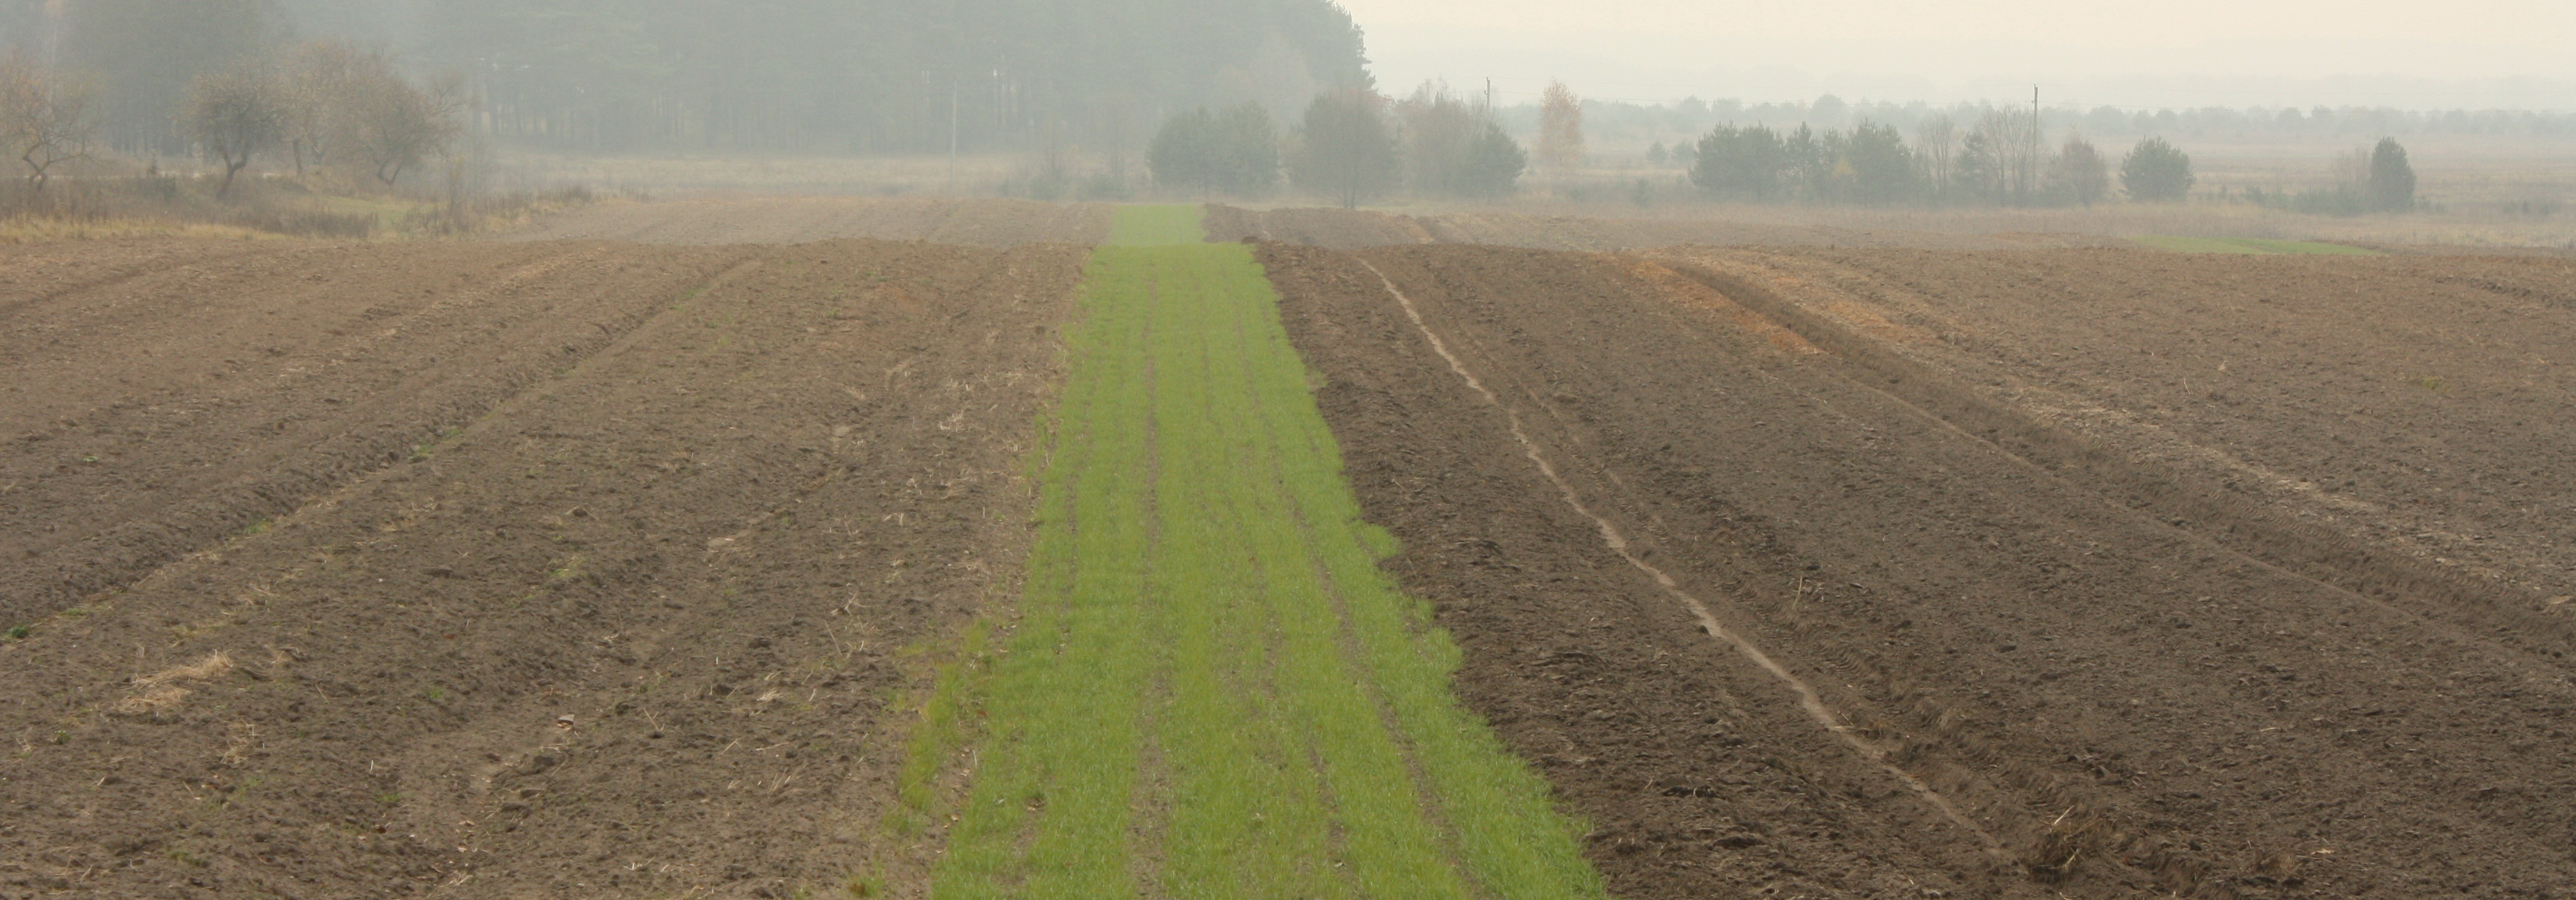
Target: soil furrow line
1808	699
2494	614
11	309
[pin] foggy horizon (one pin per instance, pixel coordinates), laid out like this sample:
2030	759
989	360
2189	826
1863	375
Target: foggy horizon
2483	54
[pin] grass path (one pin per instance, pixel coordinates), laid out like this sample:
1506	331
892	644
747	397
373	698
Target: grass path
1213	691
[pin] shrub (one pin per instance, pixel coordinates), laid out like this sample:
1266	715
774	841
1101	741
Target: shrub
2392	178
2157	172
1492	165
1234	152
2079	172
1741	162
1345	150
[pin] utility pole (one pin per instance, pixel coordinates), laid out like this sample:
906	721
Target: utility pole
2030	178
952	137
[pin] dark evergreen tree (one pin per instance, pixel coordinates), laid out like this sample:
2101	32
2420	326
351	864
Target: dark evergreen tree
1247	151
1345	150
2392	178
1235	152
2079	172
2157	172
1882	169
1492	165
1746	163
1183	156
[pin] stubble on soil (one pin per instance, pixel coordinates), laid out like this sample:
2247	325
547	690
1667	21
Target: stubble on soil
2129	705
797	220
640	627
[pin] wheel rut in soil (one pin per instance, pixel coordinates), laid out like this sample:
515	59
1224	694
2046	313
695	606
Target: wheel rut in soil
2127	705
1808	699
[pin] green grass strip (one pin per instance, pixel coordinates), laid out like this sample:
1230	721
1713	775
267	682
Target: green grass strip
1213	690
1156	226
2250	246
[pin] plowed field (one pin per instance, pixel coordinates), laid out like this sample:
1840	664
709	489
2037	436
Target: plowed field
2034	664
796	220
493	570
686	559
1353	229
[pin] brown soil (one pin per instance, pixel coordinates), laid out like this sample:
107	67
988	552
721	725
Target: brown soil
633	629
796	220
1353	229
2136	682
163	395
2419	404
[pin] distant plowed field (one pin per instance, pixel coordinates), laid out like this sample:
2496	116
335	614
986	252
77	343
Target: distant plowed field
1350	229
797	220
766	549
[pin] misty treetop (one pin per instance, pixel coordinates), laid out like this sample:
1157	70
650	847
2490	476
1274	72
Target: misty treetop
1234	152
807	75
1868	164
882	76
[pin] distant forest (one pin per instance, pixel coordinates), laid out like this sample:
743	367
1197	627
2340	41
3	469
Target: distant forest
864	76
1622	122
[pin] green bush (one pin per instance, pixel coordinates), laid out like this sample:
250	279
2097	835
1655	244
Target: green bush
2392	178
2157	172
1234	152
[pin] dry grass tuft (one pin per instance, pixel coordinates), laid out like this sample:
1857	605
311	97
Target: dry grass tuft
161	691
213	666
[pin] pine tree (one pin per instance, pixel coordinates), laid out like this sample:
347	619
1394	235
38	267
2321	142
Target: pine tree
2392	178
2157	172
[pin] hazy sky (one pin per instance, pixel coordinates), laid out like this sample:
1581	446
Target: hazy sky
2512	54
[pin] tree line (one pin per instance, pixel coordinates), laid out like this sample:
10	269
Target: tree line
826	76
1998	160
327	107
1627	121
1351	146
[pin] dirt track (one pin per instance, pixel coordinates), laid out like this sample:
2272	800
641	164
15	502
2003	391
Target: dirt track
2125	705
696	503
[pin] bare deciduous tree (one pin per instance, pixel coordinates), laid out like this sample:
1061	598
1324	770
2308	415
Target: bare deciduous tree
2000	158
234	114
321	81
1560	128
400	126
44	122
1936	141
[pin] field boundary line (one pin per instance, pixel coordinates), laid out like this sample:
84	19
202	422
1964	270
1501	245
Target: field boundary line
1808	699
